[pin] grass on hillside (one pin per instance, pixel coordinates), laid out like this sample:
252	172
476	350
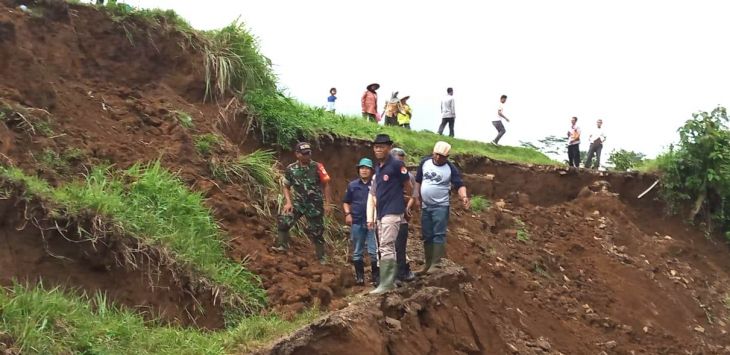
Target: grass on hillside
52	321
522	234
256	172
152	204
206	143
479	203
283	121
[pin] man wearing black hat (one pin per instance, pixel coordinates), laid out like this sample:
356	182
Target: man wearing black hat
304	184
387	207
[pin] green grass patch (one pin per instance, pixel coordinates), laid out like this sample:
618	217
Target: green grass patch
206	143
43	321
283	121
522	234
234	64
153	205
479	203
184	119
256	172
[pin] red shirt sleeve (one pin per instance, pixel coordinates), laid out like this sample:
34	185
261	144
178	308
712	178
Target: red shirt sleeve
323	176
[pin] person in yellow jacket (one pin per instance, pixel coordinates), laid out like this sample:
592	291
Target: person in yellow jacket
404	116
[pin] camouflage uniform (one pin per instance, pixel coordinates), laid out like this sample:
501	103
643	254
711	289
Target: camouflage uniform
306	184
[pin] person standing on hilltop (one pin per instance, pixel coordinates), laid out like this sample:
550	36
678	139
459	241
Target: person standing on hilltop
498	122
595	139
391	110
434	179
404	116
354	205
331	100
306	193
386	208
401	242
574	143
448	112
370	103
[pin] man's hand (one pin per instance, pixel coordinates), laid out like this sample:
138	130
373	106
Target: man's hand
371	225
348	219
288	208
466	202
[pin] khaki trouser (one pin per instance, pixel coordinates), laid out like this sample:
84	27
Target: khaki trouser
388	227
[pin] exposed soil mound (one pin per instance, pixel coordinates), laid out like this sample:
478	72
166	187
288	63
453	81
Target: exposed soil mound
587	275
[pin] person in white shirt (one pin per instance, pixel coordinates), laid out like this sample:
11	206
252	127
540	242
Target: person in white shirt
574	143
595	139
448	114
498	122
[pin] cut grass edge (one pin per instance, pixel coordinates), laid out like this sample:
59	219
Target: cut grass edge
54	320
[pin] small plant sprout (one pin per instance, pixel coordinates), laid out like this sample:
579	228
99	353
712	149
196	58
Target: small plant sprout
184	118
522	234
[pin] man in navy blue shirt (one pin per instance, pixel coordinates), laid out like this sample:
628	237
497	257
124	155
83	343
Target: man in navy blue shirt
392	181
355	204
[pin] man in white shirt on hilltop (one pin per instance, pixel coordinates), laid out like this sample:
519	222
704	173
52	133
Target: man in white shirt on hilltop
595	139
497	123
448	113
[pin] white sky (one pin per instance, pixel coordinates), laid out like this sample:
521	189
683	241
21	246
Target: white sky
642	66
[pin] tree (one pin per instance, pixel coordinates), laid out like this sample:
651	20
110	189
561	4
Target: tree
623	160
698	168
552	146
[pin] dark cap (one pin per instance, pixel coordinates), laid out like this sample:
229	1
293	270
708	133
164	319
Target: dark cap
303	147
382	139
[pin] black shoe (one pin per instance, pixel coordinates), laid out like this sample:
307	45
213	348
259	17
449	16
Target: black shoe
375	273
359	272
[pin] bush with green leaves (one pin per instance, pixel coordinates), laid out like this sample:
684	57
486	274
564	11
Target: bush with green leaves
697	169
624	160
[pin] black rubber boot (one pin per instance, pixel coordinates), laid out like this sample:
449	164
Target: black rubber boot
375	273
359	272
282	241
401	243
319	252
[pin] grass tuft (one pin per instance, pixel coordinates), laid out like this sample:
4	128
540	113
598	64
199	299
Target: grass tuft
234	64
283	121
153	205
52	321
479	203
206	143
522	234
256	172
184	118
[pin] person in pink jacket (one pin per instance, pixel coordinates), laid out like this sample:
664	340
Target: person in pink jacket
370	103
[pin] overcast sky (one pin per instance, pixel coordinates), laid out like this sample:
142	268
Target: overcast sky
642	66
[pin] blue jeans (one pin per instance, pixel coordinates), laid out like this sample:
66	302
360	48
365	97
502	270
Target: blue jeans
433	224
362	237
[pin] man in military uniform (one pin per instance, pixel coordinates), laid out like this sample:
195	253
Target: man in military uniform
306	193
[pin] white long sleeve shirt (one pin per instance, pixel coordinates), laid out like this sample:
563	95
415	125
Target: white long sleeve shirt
447	107
595	134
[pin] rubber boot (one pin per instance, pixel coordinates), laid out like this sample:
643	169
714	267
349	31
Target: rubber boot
428	258
359	272
387	277
375	272
282	241
438	252
319	252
